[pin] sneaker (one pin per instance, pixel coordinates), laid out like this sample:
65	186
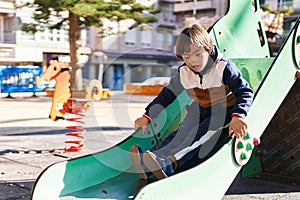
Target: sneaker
160	167
135	157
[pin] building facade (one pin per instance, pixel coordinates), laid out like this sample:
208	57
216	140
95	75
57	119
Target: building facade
139	53
20	48
127	54
147	51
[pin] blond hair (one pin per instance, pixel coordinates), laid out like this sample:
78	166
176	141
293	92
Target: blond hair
196	35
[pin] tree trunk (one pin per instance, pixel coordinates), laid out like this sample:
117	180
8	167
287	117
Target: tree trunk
74	40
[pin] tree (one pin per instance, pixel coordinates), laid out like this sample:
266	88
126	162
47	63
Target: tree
79	14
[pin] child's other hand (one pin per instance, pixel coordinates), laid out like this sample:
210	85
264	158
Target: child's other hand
141	122
238	126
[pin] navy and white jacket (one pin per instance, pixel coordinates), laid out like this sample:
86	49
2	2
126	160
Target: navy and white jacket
220	82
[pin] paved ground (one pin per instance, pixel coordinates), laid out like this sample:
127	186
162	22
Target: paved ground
30	142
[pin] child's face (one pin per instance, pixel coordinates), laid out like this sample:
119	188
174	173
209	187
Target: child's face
196	58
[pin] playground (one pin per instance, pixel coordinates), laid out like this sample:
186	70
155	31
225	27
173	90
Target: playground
102	169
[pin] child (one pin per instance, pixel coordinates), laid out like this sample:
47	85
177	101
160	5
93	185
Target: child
220	95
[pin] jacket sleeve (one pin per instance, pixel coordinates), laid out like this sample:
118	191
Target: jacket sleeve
165	97
240	88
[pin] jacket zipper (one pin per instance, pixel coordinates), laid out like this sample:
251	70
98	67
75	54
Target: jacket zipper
201	77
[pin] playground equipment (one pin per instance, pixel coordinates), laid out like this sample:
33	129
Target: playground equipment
109	174
62	102
60	72
75	107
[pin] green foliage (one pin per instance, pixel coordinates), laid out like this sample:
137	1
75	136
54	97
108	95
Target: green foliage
30	28
90	12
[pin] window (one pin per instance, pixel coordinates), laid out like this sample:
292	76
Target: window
146	38
130	37
160	40
164	41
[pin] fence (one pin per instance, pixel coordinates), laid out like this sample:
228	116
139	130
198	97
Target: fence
20	79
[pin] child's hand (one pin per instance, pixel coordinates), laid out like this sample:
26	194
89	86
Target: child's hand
141	122
238	126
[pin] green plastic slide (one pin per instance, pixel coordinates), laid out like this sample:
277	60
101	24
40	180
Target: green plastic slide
109	175
212	178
